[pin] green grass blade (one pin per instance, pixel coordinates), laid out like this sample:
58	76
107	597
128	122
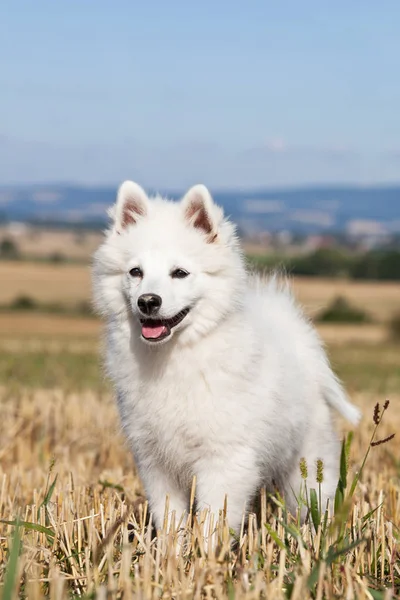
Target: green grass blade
275	537
48	496
314	508
339	497
31	526
343	465
314	575
333	555
10	579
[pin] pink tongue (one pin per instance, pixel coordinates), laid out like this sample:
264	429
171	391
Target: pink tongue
153	332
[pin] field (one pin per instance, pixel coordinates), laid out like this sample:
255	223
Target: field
44	242
66	474
70	284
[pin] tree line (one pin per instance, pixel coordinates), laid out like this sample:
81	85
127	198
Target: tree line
381	265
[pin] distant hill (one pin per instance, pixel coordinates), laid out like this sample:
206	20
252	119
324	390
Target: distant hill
367	210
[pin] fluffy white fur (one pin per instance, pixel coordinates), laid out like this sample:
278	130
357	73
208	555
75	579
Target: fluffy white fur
240	391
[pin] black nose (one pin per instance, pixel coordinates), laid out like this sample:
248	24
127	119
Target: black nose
149	304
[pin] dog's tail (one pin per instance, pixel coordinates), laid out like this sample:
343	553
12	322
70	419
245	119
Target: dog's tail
336	397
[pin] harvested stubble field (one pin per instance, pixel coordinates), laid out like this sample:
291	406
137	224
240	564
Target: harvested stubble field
68	477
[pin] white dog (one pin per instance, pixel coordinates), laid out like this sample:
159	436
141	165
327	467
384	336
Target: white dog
218	374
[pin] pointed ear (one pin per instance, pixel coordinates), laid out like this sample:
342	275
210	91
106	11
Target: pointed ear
131	204
201	212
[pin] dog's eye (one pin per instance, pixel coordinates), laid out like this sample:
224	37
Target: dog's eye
136	272
179	274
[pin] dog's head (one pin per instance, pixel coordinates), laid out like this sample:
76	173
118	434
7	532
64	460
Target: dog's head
171	268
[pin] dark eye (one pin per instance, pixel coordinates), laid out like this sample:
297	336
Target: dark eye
136	272
179	274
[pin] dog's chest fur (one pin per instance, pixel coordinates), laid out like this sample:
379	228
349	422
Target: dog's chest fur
199	404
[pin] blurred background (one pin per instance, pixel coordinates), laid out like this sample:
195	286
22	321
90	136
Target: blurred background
287	111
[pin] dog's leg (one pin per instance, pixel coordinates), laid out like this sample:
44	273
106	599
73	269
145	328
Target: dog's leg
158	485
236	477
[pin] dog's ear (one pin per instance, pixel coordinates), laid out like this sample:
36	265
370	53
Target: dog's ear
201	212
131	205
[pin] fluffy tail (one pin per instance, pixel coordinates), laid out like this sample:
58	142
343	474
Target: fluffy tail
336	397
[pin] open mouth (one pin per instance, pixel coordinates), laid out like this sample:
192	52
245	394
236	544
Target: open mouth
155	330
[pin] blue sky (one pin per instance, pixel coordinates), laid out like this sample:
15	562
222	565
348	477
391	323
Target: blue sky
229	93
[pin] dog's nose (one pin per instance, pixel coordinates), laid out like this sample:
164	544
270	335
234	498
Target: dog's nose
149	304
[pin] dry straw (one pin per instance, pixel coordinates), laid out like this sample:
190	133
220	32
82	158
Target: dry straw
79	528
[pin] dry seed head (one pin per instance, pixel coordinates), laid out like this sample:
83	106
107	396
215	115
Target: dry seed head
386	439
376	414
386	405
